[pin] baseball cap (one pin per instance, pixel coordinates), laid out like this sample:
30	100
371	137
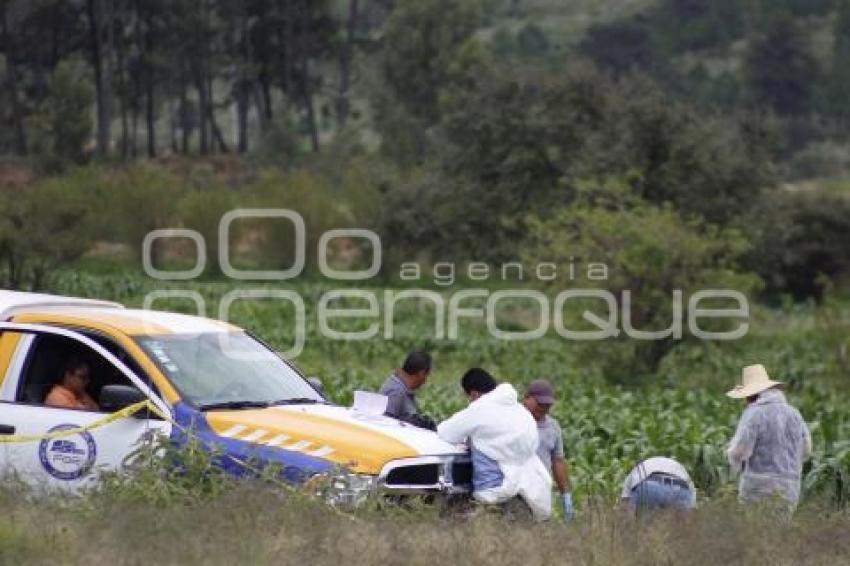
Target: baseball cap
542	391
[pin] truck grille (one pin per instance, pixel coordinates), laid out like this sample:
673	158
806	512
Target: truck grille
452	474
422	474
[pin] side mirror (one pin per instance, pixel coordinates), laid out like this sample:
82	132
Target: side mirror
116	397
317	384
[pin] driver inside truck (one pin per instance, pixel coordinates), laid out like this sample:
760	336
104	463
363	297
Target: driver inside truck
70	392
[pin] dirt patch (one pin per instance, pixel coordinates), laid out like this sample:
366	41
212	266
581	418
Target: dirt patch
15	175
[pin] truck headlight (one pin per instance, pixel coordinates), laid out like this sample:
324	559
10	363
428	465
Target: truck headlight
349	489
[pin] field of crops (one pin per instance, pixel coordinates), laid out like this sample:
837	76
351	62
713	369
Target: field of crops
196	514
680	411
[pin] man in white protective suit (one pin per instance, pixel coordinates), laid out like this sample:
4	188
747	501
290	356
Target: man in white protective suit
502	438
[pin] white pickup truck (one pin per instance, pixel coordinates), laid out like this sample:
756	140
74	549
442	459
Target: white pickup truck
211	380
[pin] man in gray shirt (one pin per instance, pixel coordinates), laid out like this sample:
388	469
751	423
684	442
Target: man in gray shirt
539	398
400	388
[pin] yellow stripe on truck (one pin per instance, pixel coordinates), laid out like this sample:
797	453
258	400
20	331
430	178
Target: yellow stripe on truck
115	322
9	341
104	327
359	448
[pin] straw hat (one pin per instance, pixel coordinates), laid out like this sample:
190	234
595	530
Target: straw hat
754	380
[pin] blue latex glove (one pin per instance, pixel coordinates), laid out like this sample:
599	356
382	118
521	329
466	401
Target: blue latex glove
569	512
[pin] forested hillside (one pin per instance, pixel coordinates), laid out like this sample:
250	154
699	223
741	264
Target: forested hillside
462	128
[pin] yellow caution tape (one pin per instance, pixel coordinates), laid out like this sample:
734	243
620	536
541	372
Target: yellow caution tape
123	413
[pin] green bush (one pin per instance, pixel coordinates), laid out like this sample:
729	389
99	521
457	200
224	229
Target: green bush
279	145
648	250
139	199
324	203
799	238
821	160
201	209
46	225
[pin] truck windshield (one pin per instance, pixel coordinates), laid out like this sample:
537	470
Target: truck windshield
227	370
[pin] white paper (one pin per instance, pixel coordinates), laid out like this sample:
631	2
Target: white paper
370	403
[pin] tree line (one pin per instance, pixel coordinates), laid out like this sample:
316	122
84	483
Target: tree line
177	65
162	76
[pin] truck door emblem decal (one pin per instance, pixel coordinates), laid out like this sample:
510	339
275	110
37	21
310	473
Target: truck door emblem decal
68	457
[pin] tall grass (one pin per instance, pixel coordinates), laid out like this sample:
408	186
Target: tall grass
252	523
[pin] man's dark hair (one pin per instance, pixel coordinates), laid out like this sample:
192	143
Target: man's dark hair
75	363
416	362
476	379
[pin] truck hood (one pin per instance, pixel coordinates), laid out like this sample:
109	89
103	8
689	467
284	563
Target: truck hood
360	442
